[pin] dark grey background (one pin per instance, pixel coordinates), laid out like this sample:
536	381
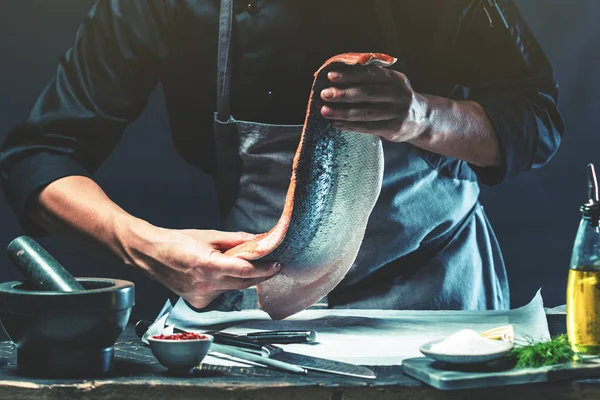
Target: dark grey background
535	215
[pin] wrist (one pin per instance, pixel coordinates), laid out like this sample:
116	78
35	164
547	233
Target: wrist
424	111
458	129
132	237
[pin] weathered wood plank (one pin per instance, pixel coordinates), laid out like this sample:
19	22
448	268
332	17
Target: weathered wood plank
137	374
151	390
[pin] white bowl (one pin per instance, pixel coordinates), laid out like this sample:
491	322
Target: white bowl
502	350
180	355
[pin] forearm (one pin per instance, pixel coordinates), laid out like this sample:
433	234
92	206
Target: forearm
458	129
187	262
75	207
381	101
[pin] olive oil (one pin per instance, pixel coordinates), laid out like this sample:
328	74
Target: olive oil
583	310
583	286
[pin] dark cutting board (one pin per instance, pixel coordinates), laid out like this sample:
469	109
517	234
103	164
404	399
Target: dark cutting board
446	377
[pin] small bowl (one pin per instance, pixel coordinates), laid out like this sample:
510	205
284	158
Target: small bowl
180	356
502	351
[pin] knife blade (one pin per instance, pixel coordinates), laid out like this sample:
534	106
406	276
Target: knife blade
320	364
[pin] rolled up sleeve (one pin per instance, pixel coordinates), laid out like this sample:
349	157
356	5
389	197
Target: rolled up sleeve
26	177
508	74
102	84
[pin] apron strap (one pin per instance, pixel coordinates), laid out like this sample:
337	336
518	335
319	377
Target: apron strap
389	32
224	61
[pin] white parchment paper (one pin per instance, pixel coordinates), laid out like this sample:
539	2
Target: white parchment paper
366	337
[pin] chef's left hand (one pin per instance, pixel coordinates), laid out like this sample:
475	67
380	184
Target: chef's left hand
375	100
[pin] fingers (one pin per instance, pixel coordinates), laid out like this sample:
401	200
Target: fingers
227	240
384	128
204	293
366	94
238	268
194	266
371	74
204	290
361	94
362	112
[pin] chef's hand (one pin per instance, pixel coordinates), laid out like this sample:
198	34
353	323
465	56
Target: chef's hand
375	100
191	263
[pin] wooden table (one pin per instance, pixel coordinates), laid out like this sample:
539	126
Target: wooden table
137	375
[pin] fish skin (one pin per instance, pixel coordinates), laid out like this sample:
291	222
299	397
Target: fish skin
335	183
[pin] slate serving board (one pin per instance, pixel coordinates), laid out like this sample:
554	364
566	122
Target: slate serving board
449	377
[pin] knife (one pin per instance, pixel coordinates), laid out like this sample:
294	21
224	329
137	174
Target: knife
282	337
308	362
277	353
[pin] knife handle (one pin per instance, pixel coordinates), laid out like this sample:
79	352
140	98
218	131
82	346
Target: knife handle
283	337
237	341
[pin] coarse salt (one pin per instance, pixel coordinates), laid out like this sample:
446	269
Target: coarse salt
467	342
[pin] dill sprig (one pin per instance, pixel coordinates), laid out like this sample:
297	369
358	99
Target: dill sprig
540	354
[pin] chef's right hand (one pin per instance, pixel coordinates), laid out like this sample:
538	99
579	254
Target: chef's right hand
191	263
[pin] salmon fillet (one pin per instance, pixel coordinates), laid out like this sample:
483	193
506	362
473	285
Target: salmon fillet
336	180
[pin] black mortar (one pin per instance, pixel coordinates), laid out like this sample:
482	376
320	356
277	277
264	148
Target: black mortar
64	333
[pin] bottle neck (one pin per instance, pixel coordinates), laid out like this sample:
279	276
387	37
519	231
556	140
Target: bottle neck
586	250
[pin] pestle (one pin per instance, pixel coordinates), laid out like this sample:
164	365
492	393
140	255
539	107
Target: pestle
39	267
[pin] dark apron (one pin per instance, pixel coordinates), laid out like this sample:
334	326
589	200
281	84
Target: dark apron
428	244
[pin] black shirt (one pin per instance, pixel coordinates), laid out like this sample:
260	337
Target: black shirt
124	48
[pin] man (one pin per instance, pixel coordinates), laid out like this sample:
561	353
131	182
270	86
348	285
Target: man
472	100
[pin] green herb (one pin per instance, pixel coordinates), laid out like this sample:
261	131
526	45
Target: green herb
555	351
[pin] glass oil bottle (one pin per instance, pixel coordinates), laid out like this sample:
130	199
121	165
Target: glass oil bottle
583	286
